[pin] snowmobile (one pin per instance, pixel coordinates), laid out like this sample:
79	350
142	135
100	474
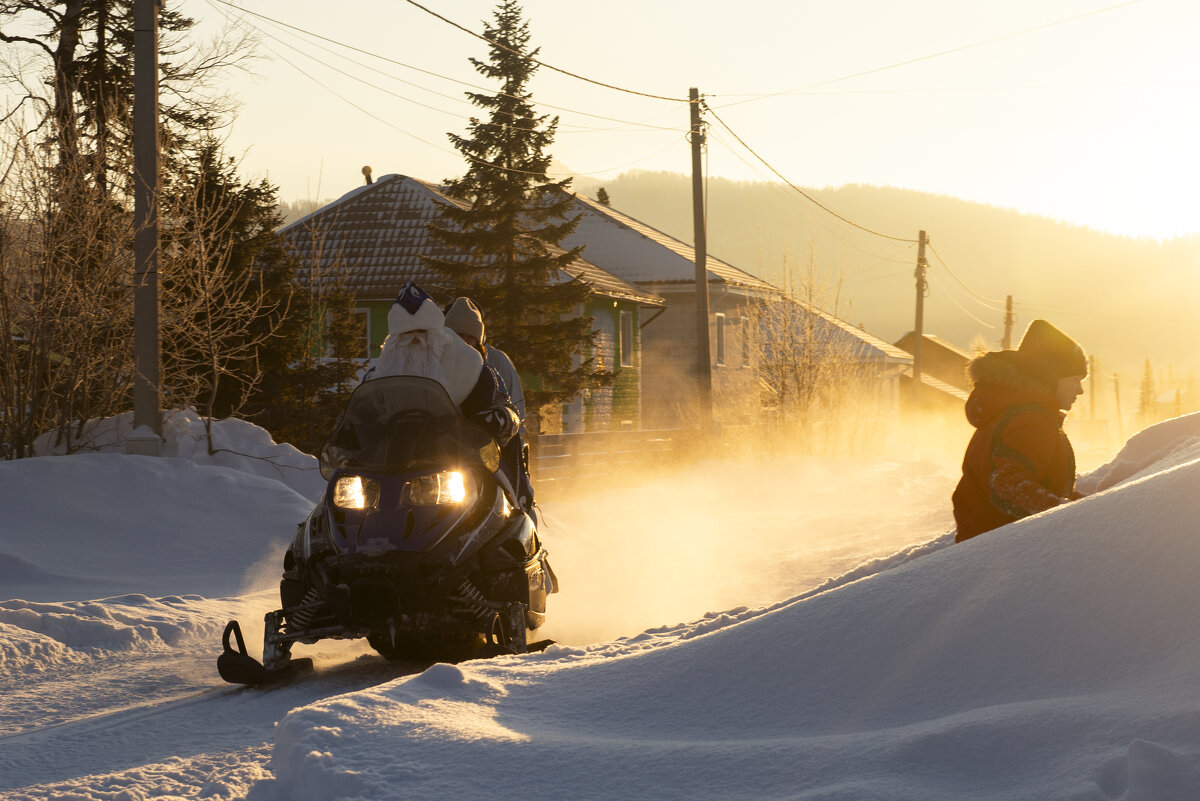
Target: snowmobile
418	544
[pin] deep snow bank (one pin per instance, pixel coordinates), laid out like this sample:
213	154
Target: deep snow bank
94	525
1152	449
236	444
1055	658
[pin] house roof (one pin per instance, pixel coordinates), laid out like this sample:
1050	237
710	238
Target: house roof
906	341
872	346
379	231
939	385
642	254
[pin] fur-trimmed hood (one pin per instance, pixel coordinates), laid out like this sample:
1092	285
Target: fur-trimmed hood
1001	381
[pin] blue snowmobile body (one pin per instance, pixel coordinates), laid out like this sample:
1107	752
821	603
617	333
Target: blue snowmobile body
418	544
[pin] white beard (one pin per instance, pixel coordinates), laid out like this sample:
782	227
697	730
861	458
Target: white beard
401	356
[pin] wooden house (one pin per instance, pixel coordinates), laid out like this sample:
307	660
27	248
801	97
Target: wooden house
665	266
378	234
944	381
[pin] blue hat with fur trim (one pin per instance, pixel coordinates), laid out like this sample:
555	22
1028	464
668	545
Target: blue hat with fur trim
414	310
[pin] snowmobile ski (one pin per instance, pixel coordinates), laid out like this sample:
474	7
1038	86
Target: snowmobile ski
238	667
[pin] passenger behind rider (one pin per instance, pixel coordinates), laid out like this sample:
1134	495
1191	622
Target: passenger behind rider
464	318
419	344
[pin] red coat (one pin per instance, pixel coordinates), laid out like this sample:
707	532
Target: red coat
1019	462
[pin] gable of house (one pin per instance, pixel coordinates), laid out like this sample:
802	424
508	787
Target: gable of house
939	358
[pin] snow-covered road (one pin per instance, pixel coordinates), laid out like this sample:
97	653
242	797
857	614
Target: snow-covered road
119	697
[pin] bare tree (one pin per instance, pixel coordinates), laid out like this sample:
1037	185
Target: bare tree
220	308
817	378
64	311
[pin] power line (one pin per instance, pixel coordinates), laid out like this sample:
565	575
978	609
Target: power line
963	308
430	73
797	189
395	127
849	239
985	300
855	242
533	60
935	55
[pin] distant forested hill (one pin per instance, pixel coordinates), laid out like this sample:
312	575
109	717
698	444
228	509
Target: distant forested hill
1126	300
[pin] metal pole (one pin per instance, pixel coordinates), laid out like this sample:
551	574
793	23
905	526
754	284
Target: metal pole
146	438
703	352
1009	319
922	288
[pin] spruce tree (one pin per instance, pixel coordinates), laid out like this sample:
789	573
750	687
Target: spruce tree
509	224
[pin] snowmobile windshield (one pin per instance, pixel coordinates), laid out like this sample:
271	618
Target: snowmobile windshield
399	424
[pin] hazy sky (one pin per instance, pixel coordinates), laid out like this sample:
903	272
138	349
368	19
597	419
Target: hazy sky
1084	110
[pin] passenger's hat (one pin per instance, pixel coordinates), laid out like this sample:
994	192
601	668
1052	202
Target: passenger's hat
463	317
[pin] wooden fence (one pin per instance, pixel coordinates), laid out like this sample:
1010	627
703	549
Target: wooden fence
559	462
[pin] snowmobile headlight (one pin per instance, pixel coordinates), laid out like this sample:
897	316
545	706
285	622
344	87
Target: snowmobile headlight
355	492
448	486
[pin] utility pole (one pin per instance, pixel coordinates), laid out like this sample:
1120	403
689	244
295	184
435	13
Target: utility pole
1117	393
146	437
1009	319
1092	379
700	237
922	288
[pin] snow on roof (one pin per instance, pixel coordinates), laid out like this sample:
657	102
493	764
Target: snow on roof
379	231
872	346
642	254
939	385
936	340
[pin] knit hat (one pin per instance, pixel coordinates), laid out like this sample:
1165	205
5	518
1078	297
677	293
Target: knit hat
464	318
414	310
1048	354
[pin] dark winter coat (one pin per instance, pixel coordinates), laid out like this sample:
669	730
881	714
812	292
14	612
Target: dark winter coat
1019	462
489	405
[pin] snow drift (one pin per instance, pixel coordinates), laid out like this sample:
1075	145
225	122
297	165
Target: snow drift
1054	658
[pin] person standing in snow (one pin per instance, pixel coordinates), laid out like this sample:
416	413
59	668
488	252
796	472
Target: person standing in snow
1019	461
418	343
464	318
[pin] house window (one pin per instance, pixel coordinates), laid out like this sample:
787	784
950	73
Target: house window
626	339
720	338
745	326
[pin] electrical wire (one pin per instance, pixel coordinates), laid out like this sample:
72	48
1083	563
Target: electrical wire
393	126
533	60
951	51
961	307
817	221
430	73
983	301
797	189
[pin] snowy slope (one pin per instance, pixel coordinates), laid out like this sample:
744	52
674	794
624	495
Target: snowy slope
1053	659
1057	659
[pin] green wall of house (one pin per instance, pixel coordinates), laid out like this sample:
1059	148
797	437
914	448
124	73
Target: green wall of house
378	321
625	387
